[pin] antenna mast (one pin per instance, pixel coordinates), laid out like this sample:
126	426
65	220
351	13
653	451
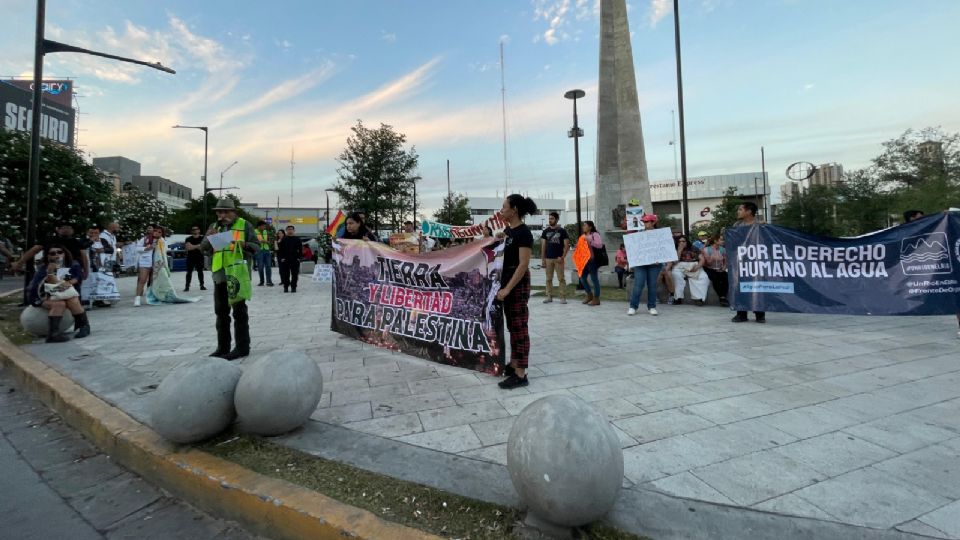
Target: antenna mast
503	105
291	177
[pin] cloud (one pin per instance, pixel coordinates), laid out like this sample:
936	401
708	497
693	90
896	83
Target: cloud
658	10
808	87
555	13
278	94
505	39
388	37
284	44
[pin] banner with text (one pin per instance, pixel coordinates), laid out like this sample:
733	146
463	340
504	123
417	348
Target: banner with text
438	305
912	269
436	229
650	247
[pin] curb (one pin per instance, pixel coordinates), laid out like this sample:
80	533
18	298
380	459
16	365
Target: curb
264	505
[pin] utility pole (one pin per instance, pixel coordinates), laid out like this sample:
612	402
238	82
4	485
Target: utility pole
449	196
683	140
503	104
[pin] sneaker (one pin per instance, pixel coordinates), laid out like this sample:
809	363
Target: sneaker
269	284
563	300
653	311
259	284
512	382
202	288
631	311
548	300
508	371
737	318
670	301
136	302
677	301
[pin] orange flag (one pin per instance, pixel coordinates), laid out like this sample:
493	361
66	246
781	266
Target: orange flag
581	255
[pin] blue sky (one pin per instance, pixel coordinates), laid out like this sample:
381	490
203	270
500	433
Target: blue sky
811	80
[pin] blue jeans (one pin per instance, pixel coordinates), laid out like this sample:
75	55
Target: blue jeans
645	275
591	271
265	262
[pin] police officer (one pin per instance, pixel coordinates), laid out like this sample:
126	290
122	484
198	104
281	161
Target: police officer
246	236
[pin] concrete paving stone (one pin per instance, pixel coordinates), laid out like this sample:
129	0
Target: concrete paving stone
386	391
925	392
668	398
617	408
869	406
688	486
389	426
113	500
163	520
720	372
936	468
458	415
570	380
714	358
733	409
420	402
443	383
901	433
666	457
791	397
835	453
493	432
778	378
36	433
76	476
345	385
793	505
487	392
352	412
660	425
451	440
810	421
748	480
726	388
671	379
626	441
567	366
740	438
945	519
871	498
63	450
514	403
607	390
493	454
827	368
922	529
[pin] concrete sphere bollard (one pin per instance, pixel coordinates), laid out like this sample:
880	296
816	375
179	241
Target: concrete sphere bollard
34	321
565	461
195	402
278	393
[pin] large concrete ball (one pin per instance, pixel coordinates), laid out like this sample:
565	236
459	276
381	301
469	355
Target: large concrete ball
278	393
34	321
565	461
195	402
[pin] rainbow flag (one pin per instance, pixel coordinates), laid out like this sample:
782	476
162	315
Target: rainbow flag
337	225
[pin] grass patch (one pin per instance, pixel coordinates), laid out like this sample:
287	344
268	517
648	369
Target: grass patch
406	503
10	321
609	294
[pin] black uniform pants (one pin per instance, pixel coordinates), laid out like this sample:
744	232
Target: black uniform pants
194	264
241	320
289	273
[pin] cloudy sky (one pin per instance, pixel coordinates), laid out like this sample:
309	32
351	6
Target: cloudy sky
811	80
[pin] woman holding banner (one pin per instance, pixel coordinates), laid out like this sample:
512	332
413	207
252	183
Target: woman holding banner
515	286
645	275
357	229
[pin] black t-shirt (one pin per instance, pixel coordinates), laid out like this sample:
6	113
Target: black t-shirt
194	254
74	245
554	237
516	238
290	249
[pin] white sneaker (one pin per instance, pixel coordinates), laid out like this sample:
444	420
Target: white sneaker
653	311
631	311
136	302
563	300
548	300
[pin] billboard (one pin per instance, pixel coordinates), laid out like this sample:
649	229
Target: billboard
56	121
58	91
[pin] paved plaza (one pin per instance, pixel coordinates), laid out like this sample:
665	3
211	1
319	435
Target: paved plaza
850	420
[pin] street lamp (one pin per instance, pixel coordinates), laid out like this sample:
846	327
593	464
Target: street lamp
223	172
206	138
575	134
683	140
43	46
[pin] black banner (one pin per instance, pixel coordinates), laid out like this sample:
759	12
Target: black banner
16	106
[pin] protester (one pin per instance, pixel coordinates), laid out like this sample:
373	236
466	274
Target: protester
515	286
408	227
289	252
713	259
54	288
747	217
161	289
194	257
264	257
645	275
145	250
621	266
688	269
110	234
554	245
592	270
307	254
241	247
912	215
64	237
701	241
357	229
100	253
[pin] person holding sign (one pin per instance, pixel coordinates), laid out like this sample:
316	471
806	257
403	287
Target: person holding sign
515	286
232	249
645	275
595	243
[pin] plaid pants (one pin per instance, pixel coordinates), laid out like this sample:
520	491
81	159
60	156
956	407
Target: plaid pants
517	315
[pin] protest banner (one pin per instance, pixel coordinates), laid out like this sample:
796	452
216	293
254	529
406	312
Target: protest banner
322	273
406	242
650	247
438	306
581	255
435	229
912	269
633	217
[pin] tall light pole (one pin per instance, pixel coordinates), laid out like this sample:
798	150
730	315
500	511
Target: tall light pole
42	47
206	138
683	140
223	172
575	134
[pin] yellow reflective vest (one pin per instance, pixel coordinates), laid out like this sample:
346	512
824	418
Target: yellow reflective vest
228	256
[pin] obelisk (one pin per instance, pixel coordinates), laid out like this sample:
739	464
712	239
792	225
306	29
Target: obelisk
621	160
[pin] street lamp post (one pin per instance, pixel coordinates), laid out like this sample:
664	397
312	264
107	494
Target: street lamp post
42	47
683	140
223	172
575	134
206	137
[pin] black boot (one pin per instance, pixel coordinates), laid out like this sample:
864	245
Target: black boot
83	325
53	331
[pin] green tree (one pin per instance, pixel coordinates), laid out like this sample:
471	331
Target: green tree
455	210
134	210
812	211
70	188
724	214
377	175
909	160
863	204
182	220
